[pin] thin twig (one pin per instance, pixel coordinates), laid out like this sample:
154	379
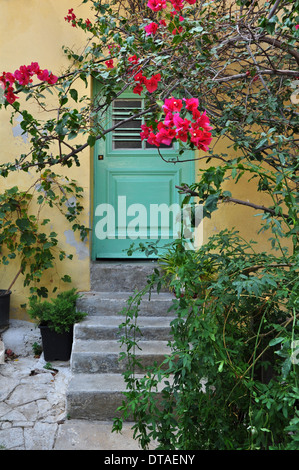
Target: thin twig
185	189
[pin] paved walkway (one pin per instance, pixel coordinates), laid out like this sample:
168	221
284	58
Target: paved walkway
33	414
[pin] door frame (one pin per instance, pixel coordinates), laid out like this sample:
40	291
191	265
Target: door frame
101	148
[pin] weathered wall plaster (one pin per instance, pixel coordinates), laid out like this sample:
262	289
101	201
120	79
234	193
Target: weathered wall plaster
81	248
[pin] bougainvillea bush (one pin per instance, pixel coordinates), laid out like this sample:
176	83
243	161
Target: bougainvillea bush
207	71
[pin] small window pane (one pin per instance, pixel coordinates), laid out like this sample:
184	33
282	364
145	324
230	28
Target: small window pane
162	146
127	145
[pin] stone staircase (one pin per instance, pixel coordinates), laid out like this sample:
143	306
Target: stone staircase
97	385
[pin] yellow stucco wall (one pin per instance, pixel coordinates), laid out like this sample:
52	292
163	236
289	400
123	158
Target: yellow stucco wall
235	216
35	30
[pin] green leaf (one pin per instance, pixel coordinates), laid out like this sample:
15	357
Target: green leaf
74	94
275	341
23	224
28	238
91	140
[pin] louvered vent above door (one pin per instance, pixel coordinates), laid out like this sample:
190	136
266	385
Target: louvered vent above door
127	135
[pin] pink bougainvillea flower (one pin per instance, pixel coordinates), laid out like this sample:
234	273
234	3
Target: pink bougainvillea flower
162	23
10	78
202	121
34	67
165	136
71	12
182	127
177	30
297	26
71	17
201	138
177	4
205	142
88	23
52	79
181	123
10	96
191	2
133	59
157	5
168	121
23	75
146	130
172	105
7	78
191	103
151	29
140	78
138	89
175	126
182	135
43	75
152	139
109	64
152	83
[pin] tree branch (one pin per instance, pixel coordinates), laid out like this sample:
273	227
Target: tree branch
291	73
273	10
281	45
186	190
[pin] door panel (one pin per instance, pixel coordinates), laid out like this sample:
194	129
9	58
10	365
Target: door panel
135	196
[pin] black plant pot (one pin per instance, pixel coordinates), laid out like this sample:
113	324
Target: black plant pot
56	346
4	307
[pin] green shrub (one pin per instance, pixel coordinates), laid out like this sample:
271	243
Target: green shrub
59	314
230	380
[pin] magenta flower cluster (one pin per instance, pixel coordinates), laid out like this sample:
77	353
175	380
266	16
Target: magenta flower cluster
23	76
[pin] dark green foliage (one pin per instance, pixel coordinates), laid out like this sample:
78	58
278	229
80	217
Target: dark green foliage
231	379
24	234
59	314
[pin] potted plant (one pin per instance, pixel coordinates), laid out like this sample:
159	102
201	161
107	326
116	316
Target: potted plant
56	320
5	301
4	307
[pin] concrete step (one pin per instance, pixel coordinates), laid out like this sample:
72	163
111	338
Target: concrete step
108	327
97	386
96	396
112	303
116	276
94	356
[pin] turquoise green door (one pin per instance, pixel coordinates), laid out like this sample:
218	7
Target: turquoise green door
135	198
